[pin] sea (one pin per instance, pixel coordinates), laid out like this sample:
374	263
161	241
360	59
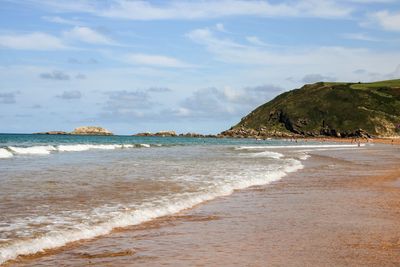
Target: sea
58	189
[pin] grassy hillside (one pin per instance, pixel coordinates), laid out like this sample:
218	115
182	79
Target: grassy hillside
336	109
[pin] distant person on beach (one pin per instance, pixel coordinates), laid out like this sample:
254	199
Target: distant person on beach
358	142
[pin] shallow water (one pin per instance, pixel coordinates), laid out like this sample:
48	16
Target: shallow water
59	189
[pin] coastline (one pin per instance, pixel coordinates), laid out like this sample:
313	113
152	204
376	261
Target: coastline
342	209
380	140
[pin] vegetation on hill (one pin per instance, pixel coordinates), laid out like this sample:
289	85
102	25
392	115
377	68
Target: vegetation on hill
330	109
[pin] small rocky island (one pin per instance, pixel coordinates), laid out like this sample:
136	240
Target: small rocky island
174	134
91	130
160	134
84	130
54	133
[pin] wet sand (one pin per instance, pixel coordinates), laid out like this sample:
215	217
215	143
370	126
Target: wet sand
342	209
388	141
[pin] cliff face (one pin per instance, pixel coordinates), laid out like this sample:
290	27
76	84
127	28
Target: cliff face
327	109
91	130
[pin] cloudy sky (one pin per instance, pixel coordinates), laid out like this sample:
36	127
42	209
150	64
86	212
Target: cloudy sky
198	66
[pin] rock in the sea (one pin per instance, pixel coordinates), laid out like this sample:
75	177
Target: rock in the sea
191	135
53	133
174	134
91	130
160	134
165	133
144	134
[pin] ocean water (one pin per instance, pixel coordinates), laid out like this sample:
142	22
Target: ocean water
59	189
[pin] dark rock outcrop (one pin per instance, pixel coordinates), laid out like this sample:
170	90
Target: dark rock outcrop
54	133
159	134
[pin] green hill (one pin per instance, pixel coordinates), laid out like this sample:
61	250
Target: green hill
327	109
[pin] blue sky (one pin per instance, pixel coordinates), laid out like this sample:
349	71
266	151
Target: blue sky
199	66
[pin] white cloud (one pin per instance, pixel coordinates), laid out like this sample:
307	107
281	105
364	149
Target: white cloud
389	21
185	9
55	75
371	1
207	37
338	61
220	27
32	41
313	78
226	102
395	74
8	97
70	95
45	42
360	37
87	35
60	20
255	40
64	5
226	50
155	60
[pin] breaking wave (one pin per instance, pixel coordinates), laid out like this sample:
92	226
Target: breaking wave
268	154
10	151
4	153
148	210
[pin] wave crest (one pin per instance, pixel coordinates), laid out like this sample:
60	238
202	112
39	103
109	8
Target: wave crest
10	151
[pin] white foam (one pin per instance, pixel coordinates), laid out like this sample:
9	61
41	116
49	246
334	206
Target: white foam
149	211
298	146
4	153
84	147
144	145
33	150
268	154
304	156
106	147
45	150
72	148
128	146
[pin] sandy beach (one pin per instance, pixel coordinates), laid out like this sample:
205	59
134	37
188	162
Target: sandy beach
342	209
388	141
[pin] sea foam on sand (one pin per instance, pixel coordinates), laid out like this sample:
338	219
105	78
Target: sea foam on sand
149	211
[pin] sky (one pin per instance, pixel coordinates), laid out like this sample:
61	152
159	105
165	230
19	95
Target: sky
188	66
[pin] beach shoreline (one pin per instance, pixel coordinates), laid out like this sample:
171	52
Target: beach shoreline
341	209
380	140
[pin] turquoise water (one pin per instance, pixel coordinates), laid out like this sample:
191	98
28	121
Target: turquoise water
37	139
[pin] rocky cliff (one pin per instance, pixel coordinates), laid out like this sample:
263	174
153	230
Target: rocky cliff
327	109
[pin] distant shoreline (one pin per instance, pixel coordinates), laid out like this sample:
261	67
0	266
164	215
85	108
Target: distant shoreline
380	140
